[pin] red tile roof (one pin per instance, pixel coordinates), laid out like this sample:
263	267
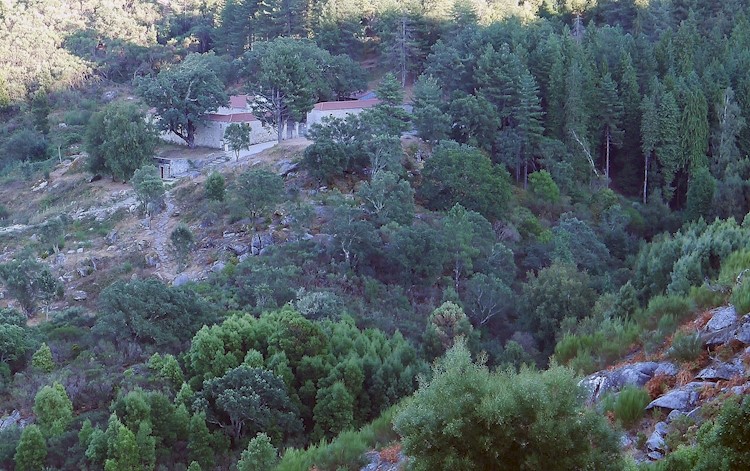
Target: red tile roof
231	118
346	105
238	101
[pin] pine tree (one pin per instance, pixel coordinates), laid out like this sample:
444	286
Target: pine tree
694	124
199	442
649	136
668	152
577	114
610	118
260	455
122	447
31	451
731	124
429	118
53	409
528	116
42	359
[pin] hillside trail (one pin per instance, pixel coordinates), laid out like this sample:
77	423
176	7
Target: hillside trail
161	227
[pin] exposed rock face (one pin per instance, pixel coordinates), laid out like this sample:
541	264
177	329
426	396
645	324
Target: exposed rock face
723	317
683	399
722	371
636	374
656	441
181	279
79	295
725	326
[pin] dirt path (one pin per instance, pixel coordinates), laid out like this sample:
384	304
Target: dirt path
161	228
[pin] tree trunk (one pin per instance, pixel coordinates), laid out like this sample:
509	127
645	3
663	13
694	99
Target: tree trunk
645	179
525	174
606	169
279	116
190	135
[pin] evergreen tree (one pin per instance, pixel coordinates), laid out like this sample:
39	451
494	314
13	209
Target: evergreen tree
694	124
430	120
42	359
527	114
200	447
122	447
731	124
610	118
700	194
53	409
31	451
334	409
260	455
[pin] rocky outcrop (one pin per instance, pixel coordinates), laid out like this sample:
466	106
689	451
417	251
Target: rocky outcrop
725	326
682	399
636	374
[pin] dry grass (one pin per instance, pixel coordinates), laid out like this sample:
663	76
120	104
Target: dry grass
703	319
660	384
391	454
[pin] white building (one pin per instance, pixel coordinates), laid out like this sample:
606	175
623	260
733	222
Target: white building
211	133
338	109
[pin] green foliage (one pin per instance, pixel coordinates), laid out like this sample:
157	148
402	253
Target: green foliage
555	293
42	359
678	308
119	141
630	405
429	116
237	138
259	191
685	347
259	455
733	266
544	187
214	187
446	325
462	174
589	350
29	281
501	420
151	312
148	188
288	77
183	241
31	451
740	297
200	448
387	198
346	450
183	94
14	342
249	400
333	411
700	194
53	409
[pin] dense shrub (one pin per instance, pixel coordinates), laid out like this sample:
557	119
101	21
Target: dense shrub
685	347
741	297
630	405
502	420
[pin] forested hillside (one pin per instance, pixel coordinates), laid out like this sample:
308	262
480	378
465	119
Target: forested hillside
544	189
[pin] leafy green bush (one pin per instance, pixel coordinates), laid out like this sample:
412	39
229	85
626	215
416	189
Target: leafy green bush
630	405
77	117
543	186
345	451
685	347
733	265
214	187
506	414
741	297
678	307
705	297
